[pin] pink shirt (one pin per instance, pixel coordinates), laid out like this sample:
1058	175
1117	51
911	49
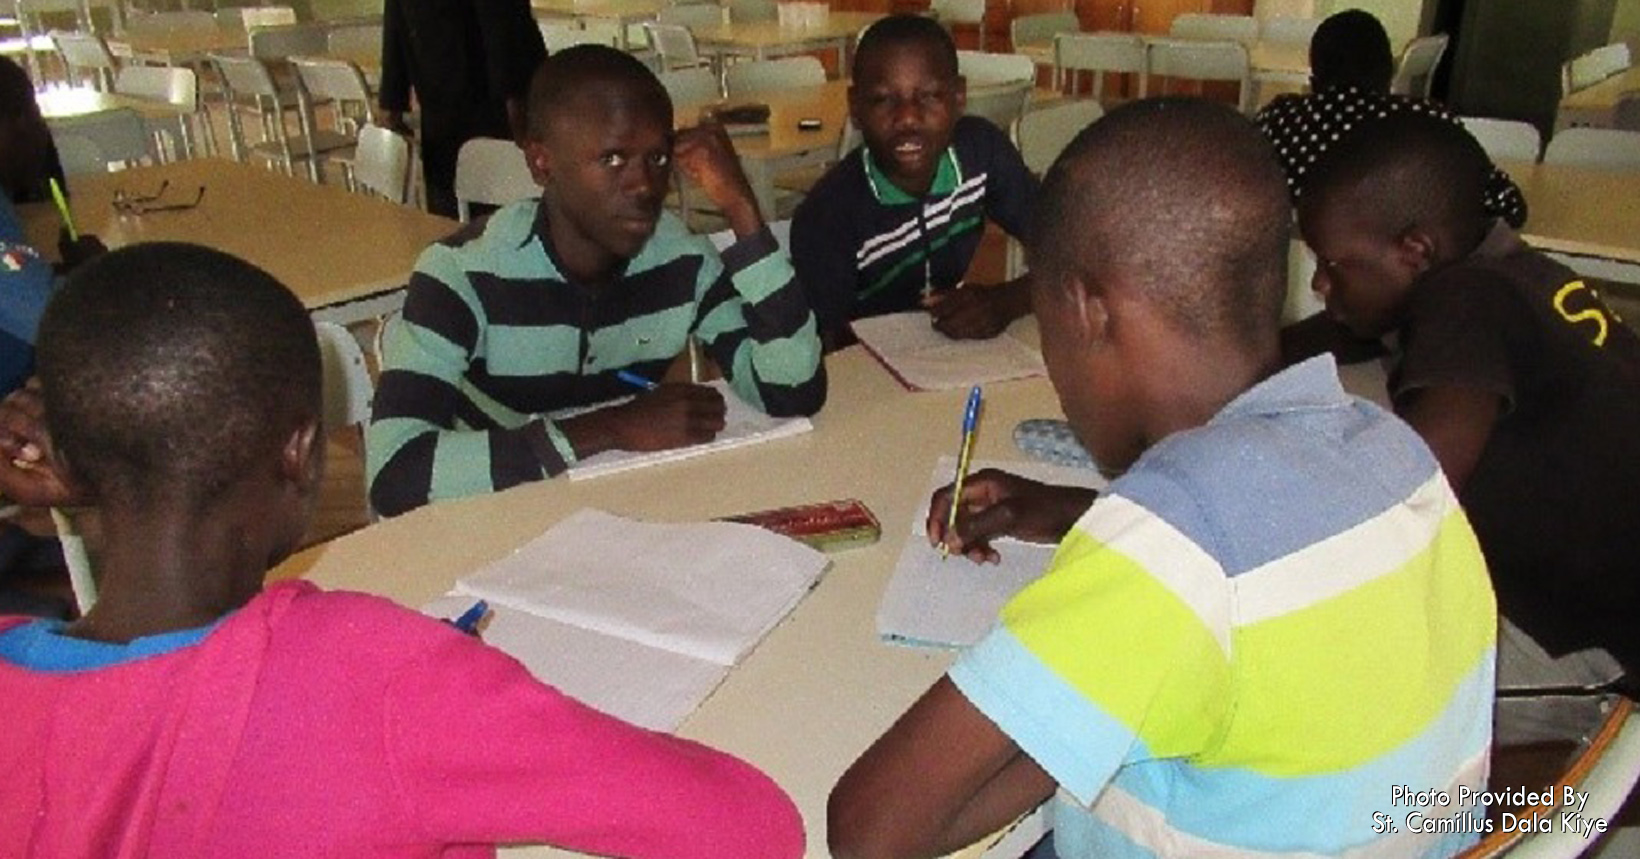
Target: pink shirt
339	724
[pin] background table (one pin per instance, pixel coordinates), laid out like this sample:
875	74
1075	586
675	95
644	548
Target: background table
1579	210
1593	105
764	39
622	13
345	255
822	686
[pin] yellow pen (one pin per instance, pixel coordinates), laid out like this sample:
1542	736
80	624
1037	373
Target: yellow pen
62	209
970	420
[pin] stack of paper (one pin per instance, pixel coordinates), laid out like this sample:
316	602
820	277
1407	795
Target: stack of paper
926	360
743	425
952	602
640	620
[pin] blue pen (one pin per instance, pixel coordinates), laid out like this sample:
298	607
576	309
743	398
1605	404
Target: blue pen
970	421
468	621
635	380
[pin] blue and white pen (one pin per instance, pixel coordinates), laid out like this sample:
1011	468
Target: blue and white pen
970	421
635	380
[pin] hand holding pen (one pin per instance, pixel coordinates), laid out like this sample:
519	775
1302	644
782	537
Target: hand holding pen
998	504
661	417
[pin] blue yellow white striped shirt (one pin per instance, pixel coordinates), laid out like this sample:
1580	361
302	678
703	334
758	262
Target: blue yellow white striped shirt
1256	634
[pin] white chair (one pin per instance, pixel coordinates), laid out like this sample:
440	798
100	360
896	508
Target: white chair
1004	104
342	85
119	136
251	17
744	80
86	54
250	85
1212	27
1599	148
288	40
178	87
1034	34
381	163
696	85
1505	139
692	15
181	21
1593	67
674	46
492	172
983	69
752	11
1122	53
1043	134
345	382
1283	30
1197	60
965	12
1415	71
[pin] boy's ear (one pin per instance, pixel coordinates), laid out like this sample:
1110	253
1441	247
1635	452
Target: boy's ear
1081	305
539	159
301	457
959	96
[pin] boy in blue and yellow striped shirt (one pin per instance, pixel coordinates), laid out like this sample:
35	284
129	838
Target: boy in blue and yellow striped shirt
1275	618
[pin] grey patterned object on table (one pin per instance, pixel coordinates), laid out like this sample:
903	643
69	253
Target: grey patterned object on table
1051	441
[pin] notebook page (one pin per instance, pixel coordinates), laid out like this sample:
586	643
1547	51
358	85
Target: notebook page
953	602
925	360
710	590
742	426
649	687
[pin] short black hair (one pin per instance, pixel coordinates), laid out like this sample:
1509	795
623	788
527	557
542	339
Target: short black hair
16	91
564	75
1408	169
1186	200
169	370
897	31
1351	49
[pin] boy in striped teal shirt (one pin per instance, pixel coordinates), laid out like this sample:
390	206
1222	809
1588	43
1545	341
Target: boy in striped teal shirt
1277	615
537	309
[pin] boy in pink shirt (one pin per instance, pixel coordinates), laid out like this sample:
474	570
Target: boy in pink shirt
193	713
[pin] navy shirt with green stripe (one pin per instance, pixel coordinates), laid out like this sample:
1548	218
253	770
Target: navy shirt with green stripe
863	247
494	337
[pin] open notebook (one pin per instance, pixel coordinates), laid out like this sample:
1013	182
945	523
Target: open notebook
926	360
639	619
953	602
743	425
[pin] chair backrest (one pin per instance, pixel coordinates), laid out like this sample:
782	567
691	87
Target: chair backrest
760	76
1197	60
289	40
675	45
1003	104
1284	30
1100	53
1415	71
981	68
749	11
692	15
949	12
381	163
346	384
87	52
251	17
183	21
1040	28
78	154
1505	139
1205	25
1594	66
1601	148
119	136
1046	131
354	40
327	79
492	172
694	85
245	75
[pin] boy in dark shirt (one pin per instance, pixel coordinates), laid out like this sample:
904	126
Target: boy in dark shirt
894	226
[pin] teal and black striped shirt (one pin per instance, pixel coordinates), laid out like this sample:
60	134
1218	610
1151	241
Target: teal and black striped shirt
494	336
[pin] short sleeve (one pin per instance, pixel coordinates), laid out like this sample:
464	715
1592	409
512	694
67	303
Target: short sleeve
1462	329
1061	675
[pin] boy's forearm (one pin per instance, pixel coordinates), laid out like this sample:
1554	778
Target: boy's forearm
772	345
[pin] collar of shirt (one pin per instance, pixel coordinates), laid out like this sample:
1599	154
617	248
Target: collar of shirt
1311	384
946	179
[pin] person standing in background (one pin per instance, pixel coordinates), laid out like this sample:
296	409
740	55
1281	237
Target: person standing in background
468	63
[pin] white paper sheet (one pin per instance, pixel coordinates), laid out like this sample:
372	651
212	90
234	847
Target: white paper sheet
926	360
742	425
953	602
709	590
649	687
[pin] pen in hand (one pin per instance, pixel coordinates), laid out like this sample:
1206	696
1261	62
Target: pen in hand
970	420
469	619
635	380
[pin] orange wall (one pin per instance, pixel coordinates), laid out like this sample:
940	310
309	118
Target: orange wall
1149	16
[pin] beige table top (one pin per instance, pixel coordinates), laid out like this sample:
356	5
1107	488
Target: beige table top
822	686
1603	95
178	47
59	103
1579	210
764	37
328	245
623	10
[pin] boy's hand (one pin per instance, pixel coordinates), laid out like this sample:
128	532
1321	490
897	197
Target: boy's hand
669	416
998	504
705	155
28	470
978	312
